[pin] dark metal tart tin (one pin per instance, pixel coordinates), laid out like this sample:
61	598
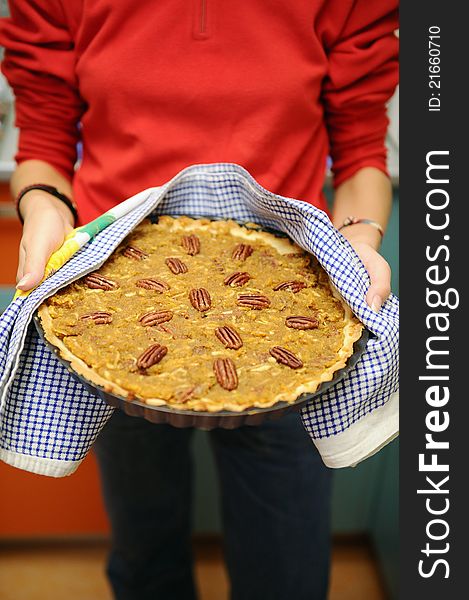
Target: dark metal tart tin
206	420
200	419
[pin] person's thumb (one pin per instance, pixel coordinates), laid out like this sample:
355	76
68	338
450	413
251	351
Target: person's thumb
37	251
380	280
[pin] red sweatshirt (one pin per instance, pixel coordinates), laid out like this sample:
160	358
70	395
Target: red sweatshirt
156	86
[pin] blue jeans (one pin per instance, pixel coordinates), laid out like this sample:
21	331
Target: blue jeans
275	495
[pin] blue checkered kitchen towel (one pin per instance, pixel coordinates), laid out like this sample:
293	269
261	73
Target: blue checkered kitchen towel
48	421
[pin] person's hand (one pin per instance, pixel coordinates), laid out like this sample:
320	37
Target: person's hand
47	221
368	195
379	272
365	243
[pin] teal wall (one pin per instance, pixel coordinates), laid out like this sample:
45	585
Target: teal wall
6	294
384	516
390	245
384	522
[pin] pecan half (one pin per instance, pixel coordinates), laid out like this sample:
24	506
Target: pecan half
302	322
291	286
134	252
225	372
229	337
153	284
242	251
151	356
156	317
99	317
98	282
176	266
238	279
191	244
253	301
200	299
285	357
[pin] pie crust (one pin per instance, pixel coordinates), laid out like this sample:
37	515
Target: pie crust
168	310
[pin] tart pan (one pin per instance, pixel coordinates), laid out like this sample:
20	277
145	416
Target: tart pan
206	420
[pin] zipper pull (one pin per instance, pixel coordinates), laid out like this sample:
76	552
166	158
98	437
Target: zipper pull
201	30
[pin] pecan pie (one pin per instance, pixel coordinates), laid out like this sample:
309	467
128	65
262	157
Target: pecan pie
203	315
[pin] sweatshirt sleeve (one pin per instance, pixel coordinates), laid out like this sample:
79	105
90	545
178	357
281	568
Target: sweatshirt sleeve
39	64
362	76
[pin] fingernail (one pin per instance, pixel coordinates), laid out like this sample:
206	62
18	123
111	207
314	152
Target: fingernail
377	303
24	280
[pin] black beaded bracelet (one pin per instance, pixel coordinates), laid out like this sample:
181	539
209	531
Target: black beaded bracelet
50	190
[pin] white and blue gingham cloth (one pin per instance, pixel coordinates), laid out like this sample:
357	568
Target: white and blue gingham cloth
48	421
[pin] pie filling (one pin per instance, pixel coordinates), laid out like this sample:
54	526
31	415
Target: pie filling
203	315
